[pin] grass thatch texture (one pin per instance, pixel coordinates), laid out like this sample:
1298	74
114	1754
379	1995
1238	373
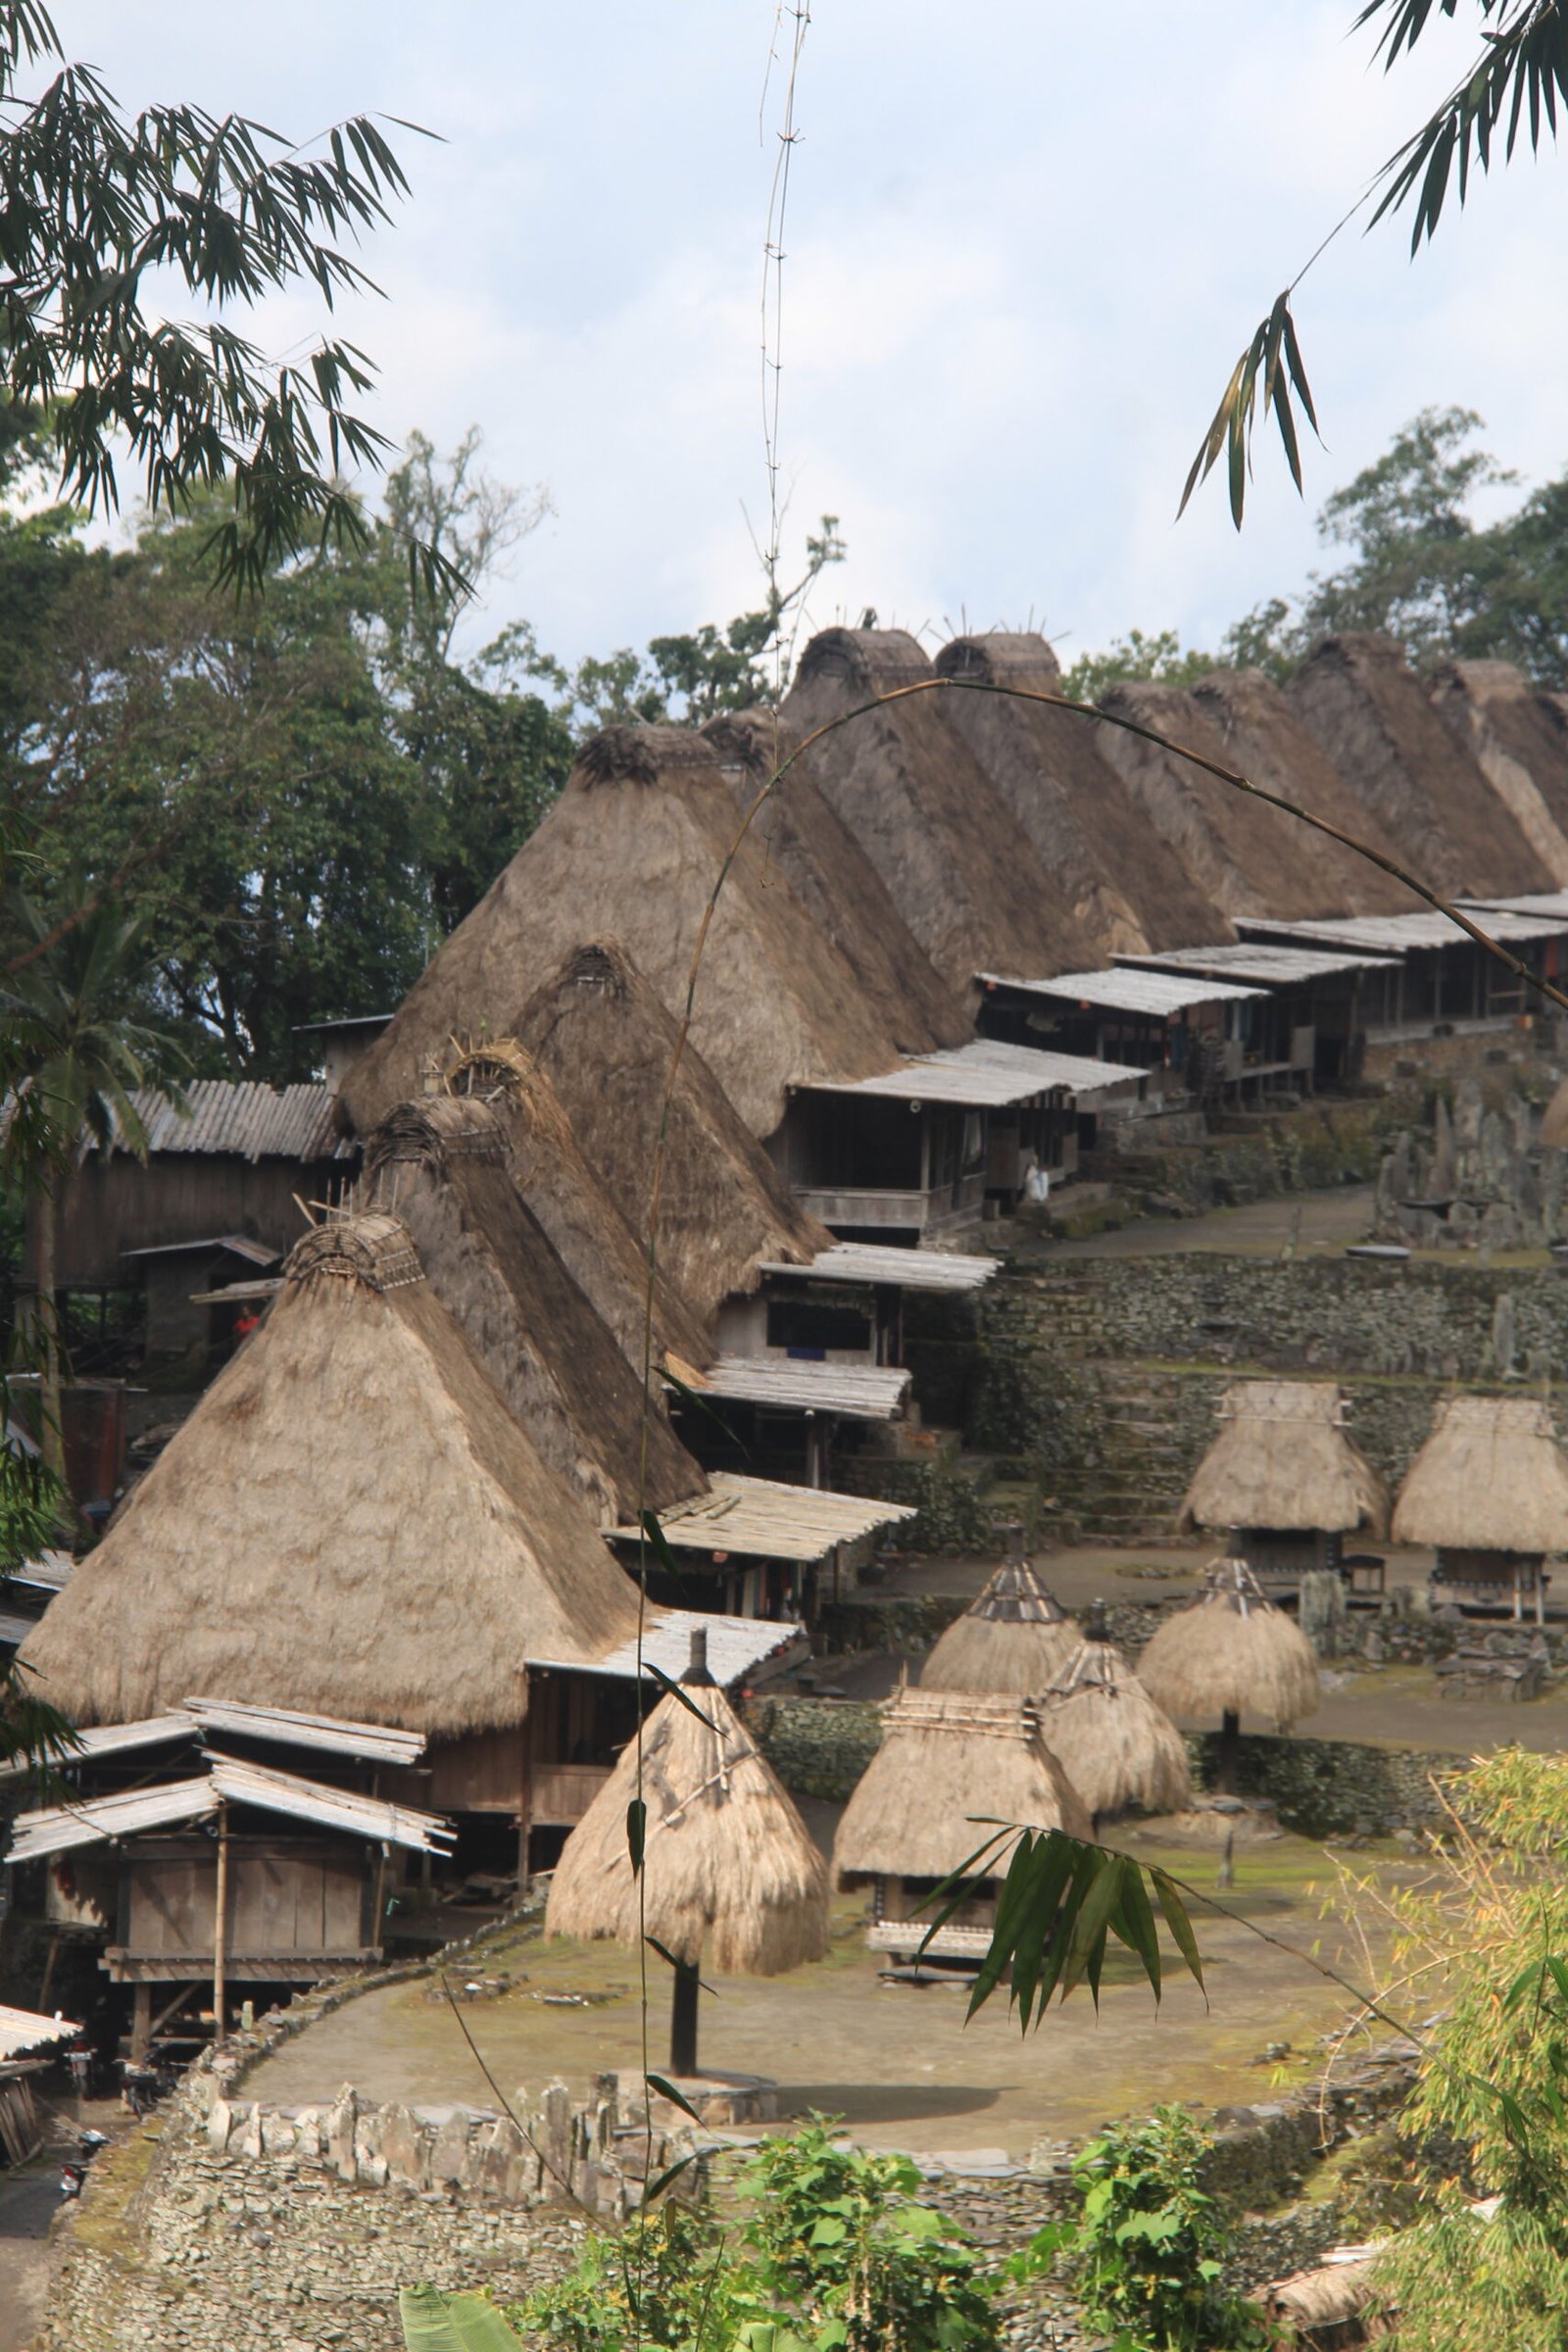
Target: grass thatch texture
606	1044
1117	1746
1015	1637
1518	740
1281	1459
1554	1119
729	1866
1231	1652
350	1522
442	1163
1491	1477
947	1766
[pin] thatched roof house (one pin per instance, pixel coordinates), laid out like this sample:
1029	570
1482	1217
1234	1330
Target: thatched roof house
1519	740
1014	1636
606	1044
1489	1491
1126	885
632	850
1116	1746
1284	1476
443	1165
945	843
1231	1651
1371	713
350	1523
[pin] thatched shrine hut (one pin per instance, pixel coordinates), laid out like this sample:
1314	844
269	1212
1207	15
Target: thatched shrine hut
1014	1636
1117	1746
1489	1491
1228	1652
729	1868
1285	1480
947	1764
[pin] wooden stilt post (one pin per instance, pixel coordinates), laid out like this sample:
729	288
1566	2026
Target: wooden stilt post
1230	1732
683	2021
141	2022
220	1926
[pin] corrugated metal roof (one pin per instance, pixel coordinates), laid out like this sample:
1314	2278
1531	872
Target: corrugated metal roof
50	1572
1273	966
23	2029
1161	994
1551	902
242	1118
1398	934
987	1076
909	1269
762	1519
860	1392
331	1808
57	1829
736	1646
383	1743
239	1293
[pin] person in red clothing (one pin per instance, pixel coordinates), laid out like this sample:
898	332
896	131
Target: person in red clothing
245	1323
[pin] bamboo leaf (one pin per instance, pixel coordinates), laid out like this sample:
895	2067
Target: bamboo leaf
667	1682
656	2188
657	1541
1135	1925
1180	1926
636	1833
677	2098
433	2321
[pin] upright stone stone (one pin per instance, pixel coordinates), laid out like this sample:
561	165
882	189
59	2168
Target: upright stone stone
406	2148
220	2116
449	2151
1322	1610
337	2132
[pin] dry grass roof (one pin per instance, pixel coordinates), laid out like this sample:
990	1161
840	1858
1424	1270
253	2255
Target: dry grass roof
948	1763
350	1522
1229	1652
632	850
607	1043
1126	885
1554	1118
1283	1459
1491	1477
1014	1636
730	1869
1372	716
443	1165
1116	1746
1519	740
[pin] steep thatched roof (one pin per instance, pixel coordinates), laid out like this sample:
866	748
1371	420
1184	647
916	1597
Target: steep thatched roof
632	850
1519	740
836	882
1249	859
1283	1459
607	1043
945	843
729	1866
1231	1652
443	1165
350	1521
1116	1746
1491	1477
1126	885
948	1763
1553	1131
1014	1636
1372	716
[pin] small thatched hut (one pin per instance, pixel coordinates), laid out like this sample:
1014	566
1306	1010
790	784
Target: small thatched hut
947	1765
1489	1491
1015	1637
728	1865
1228	1651
606	1044
443	1165
1117	1746
1285	1480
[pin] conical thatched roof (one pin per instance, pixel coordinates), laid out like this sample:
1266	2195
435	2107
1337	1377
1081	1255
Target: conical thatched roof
632	850
1370	712
443	1165
1015	1637
1231	1652
1519	740
350	1522
948	1766
728	1864
1117	1746
606	1044
1126	885
1283	1459
1491	1477
946	845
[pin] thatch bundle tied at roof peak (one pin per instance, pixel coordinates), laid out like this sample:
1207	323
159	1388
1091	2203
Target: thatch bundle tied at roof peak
947	1759
1231	1651
372	1248
1014	1636
637	755
1283	1461
1491	1477
871	660
1002	657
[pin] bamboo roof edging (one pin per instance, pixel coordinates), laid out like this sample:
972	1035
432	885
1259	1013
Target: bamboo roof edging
948	1763
1229	1652
729	1868
1283	1459
1014	1636
1491	1477
1115	1745
350	1523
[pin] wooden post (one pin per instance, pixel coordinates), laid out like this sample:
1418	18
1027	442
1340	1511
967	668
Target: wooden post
141	2022
683	2021
1230	1732
220	1926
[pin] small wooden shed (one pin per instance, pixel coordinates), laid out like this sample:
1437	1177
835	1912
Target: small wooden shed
1284	1481
1489	1493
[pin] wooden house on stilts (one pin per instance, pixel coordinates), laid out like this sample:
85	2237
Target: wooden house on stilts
1489	1493
1284	1481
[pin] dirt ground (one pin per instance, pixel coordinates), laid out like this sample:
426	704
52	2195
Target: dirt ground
29	2199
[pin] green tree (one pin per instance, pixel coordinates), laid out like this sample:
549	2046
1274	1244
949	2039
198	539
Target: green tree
1160	657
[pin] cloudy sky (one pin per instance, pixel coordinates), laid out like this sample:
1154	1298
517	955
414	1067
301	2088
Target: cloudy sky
1025	241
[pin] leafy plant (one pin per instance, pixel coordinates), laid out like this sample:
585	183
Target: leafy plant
1147	2251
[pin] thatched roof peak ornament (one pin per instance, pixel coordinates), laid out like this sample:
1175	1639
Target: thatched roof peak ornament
1014	1636
372	1248
625	755
1002	657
